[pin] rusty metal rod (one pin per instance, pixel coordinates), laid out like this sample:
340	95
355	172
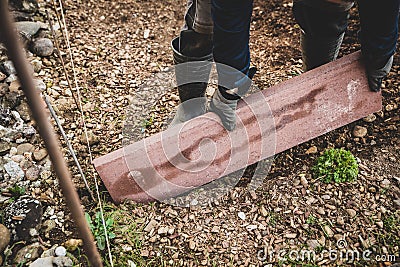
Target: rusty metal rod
9	37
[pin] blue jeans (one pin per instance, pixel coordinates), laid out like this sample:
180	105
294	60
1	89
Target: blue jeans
379	23
231	43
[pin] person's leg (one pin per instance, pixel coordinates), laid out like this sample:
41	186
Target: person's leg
378	36
232	55
192	52
323	25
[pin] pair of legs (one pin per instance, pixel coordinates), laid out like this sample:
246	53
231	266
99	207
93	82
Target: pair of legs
219	30
214	30
324	23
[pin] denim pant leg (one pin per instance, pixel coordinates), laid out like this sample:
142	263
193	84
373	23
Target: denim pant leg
231	40
379	28
198	16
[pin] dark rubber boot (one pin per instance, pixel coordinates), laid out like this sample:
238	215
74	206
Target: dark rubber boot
319	51
192	74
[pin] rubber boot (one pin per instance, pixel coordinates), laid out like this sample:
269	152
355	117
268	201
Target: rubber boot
319	51
224	103
377	70
192	71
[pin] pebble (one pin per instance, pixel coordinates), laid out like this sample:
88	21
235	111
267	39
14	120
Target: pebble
370	118
360	131
242	215
4	237
8	67
32	174
192	244
60	251
263	211
150	226
352	213
13	169
312	243
328	231
312	150
40	154
340	220
42	47
23	148
72	244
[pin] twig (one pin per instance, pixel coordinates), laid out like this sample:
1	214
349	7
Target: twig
70	148
61	58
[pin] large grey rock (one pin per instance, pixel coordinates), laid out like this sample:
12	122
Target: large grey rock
43	262
42	47
14	170
29	29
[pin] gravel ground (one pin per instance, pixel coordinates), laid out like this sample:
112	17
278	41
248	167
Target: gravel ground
120	46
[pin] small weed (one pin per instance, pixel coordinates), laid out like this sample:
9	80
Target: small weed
16	191
311	220
96	226
336	165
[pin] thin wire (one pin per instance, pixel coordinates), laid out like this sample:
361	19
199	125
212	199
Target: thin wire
85	129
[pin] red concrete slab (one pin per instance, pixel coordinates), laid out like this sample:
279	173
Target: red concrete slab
271	121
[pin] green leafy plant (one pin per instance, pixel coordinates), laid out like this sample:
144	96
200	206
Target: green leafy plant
16	191
337	165
96	226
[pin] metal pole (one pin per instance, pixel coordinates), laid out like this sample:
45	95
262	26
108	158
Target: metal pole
16	53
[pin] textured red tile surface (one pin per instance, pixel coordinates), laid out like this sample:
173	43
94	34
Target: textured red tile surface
271	121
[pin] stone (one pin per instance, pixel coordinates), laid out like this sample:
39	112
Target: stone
14	170
37	65
43	262
24	111
8	68
29	29
340	220
4	237
42	47
23	215
72	244
291	235
40	85
4	147
359	131
370	118
92	138
352	213
40	154
60	251
150	226
312	243
328	231
192	244
25	147
312	150
32	173
62	262
242	215
28	253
